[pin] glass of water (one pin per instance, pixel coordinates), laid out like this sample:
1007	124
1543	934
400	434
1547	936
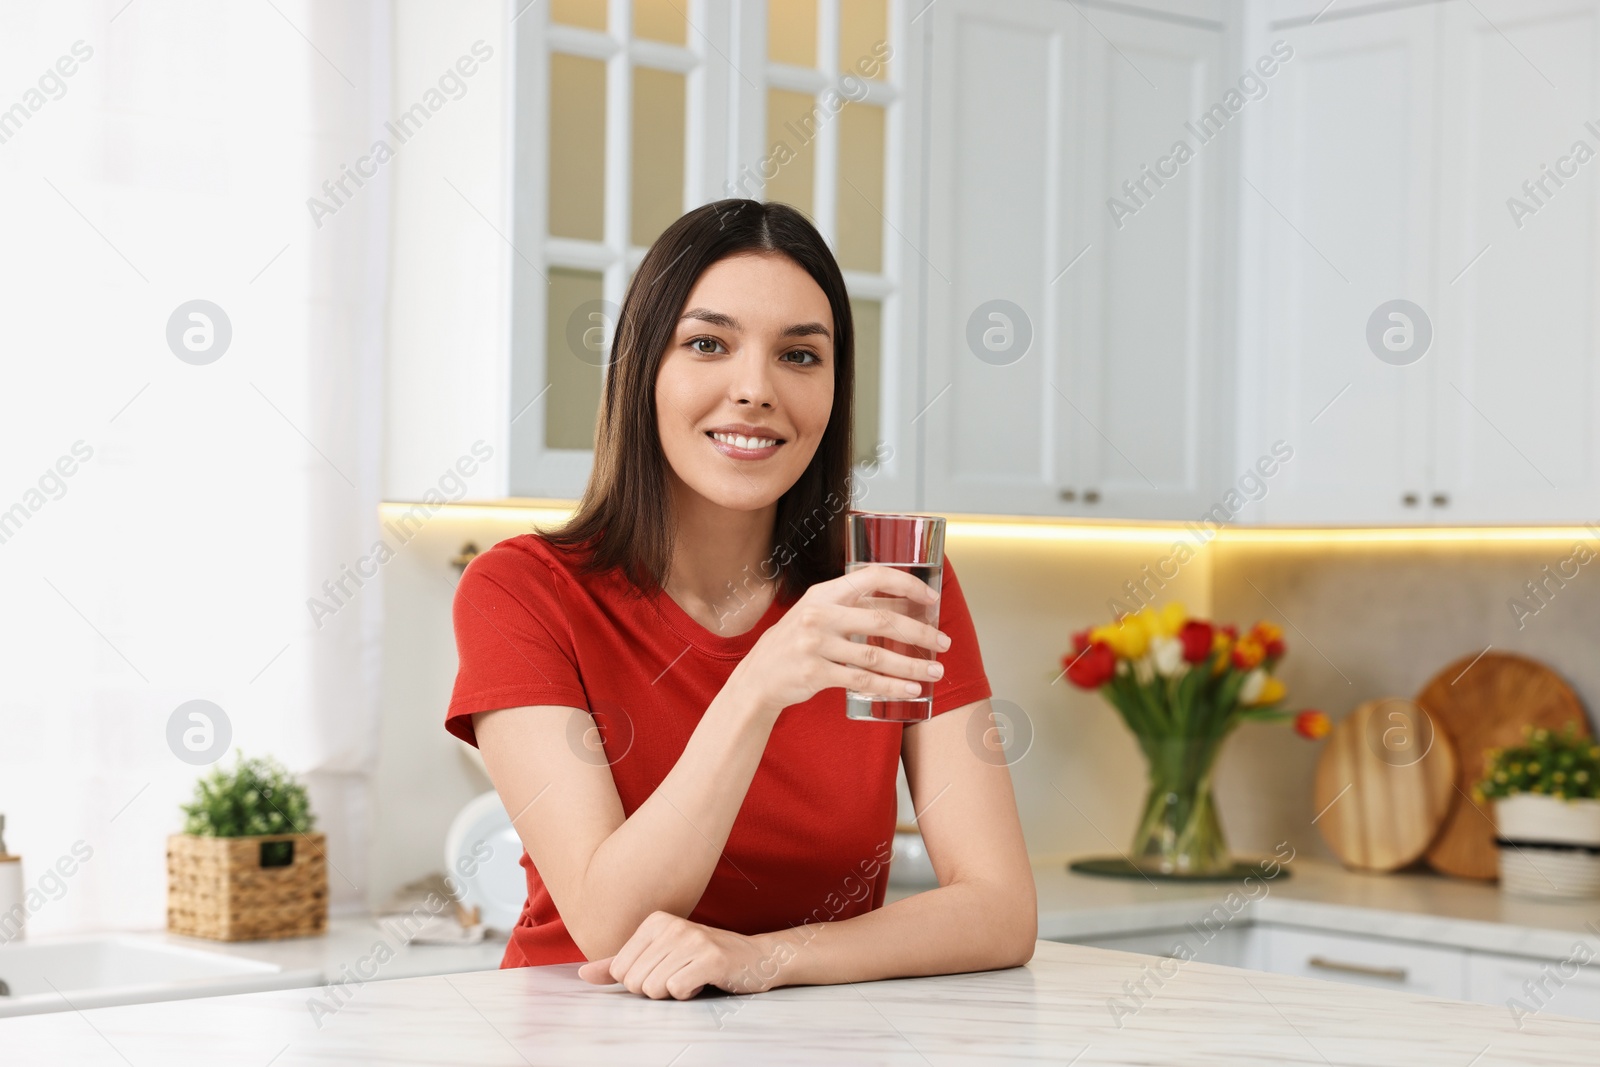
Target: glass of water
910	543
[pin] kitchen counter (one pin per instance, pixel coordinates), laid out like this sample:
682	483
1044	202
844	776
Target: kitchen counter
68	971
339	952
1061	1008
1420	907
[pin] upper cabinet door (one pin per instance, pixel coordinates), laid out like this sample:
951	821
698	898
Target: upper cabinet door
1517	380
1338	200
1142	295
999	230
1073	301
623	124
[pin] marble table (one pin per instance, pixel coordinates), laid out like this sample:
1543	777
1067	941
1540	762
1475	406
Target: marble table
1070	1005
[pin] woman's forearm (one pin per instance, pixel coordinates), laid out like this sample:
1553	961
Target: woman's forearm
965	926
662	856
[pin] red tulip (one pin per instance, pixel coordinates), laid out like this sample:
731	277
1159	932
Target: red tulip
1248	653
1093	667
1080	641
1271	638
1196	637
1312	725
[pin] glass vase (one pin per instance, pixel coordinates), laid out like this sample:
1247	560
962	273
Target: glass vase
1179	831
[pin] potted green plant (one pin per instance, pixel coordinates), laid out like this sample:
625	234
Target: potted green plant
1546	795
248	864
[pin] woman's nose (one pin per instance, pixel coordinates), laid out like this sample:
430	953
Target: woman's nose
752	379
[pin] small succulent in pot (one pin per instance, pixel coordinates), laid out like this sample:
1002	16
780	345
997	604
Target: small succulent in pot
1546	795
1564	765
257	796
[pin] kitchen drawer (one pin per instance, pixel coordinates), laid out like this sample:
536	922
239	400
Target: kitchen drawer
1380	962
1537	987
1227	946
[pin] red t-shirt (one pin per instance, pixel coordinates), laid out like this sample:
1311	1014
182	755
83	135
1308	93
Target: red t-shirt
813	836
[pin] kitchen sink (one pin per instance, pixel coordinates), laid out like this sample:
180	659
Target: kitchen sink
97	971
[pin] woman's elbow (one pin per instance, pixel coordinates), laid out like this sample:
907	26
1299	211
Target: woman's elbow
1022	932
1026	940
595	938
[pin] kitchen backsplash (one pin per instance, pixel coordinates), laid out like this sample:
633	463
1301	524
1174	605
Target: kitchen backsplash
1362	621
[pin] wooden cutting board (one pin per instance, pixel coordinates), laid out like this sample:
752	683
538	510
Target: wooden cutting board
1384	784
1482	703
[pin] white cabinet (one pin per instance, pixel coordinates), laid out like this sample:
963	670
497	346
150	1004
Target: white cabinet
1396	149
1341	207
997	179
1063	317
1524	986
1517	382
1399	965
1072	358
1142	366
1529	987
1230	946
627	115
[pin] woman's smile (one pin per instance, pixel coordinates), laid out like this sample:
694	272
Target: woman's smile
741	447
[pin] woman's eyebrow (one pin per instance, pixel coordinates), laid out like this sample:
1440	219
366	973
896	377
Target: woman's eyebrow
728	322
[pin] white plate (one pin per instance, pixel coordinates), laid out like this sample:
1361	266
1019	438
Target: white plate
494	883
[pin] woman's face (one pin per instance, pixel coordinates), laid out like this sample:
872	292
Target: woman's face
752	350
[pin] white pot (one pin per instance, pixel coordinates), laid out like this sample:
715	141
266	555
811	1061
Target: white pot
1526	817
1552	846
1549	873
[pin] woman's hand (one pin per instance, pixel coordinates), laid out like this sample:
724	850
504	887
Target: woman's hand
809	649
669	956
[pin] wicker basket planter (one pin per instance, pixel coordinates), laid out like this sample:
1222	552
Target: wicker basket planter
219	888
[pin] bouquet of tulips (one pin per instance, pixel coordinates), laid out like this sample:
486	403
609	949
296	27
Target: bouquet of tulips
1182	685
1168	674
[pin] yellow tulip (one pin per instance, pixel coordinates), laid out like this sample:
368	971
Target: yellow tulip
1128	639
1165	622
1272	691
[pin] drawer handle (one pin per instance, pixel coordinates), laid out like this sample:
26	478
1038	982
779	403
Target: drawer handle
1394	974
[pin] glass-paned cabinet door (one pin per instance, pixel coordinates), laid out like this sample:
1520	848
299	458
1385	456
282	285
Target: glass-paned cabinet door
620	127
832	133
631	112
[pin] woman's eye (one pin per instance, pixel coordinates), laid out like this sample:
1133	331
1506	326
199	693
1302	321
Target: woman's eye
809	358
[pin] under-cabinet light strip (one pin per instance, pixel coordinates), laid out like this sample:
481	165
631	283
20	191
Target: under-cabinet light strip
1041	528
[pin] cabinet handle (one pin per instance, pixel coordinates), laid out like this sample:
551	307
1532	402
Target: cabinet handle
1069	495
1394	974
1091	496
1409	500
1441	500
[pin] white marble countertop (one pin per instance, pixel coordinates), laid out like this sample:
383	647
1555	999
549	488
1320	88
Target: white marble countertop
1414	907
96	971
349	940
1058	1009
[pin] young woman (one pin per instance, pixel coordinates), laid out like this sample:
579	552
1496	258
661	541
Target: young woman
657	688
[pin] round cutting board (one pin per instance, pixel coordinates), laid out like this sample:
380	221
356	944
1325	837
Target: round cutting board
1383	785
1485	702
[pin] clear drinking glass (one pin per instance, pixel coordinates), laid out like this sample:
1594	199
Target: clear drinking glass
910	543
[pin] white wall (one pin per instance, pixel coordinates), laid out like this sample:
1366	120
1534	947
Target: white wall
449	282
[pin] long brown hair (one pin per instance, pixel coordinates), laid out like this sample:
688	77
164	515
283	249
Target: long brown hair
625	517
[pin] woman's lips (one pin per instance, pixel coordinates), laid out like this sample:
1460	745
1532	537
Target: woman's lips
743	453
